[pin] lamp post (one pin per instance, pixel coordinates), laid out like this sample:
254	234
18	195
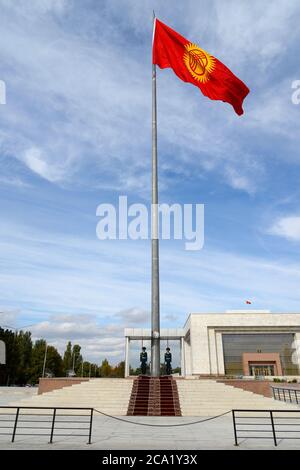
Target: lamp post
45	359
74	357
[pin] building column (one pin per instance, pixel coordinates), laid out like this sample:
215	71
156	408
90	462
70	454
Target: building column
212	348
182	357
127	349
296	354
220	353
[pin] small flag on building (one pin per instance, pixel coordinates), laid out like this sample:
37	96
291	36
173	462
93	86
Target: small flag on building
193	64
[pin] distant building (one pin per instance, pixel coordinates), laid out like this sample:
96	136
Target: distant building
235	343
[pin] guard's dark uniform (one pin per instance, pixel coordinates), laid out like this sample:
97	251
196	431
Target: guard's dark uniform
168	361
144	359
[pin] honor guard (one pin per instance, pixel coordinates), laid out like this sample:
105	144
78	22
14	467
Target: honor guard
143	359
168	361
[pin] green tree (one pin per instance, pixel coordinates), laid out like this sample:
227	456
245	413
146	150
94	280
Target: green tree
37	360
119	370
88	368
23	344
84	371
54	362
95	370
18	357
136	371
105	369
67	360
9	370
76	359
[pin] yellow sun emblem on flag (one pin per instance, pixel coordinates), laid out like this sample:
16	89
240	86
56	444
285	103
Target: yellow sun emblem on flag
198	62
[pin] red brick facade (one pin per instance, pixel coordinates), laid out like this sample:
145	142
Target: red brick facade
257	359
47	385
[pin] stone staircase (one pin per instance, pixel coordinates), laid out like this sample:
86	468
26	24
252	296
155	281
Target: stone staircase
147	396
108	395
154	396
210	398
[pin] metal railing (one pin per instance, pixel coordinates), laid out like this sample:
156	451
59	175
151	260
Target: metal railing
268	426
58	420
291	395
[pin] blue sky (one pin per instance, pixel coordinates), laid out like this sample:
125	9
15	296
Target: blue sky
76	132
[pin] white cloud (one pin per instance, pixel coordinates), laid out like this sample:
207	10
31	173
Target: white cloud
134	316
96	283
171	318
49	274
78	117
248	31
98	340
287	227
8	317
83	131
14	181
36	7
239	181
35	160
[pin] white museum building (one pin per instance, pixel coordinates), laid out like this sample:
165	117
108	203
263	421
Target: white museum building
235	343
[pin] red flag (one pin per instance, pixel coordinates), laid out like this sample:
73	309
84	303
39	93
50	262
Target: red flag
194	65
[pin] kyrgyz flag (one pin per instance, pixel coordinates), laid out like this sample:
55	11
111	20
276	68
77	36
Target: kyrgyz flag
192	64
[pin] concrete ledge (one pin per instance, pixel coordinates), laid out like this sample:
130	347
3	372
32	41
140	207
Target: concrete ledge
48	385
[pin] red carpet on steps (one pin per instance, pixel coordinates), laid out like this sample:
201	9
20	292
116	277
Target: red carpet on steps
154	396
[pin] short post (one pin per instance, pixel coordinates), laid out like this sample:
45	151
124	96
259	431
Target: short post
15	425
53	424
234	428
273	428
91	426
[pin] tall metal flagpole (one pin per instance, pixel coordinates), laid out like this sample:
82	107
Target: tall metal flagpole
155	321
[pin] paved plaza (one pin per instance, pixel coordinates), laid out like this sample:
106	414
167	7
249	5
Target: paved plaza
111	434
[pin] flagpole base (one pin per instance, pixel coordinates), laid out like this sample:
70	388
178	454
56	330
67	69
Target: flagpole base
155	357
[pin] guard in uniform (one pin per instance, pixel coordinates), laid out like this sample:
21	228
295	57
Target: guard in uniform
168	361
144	359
